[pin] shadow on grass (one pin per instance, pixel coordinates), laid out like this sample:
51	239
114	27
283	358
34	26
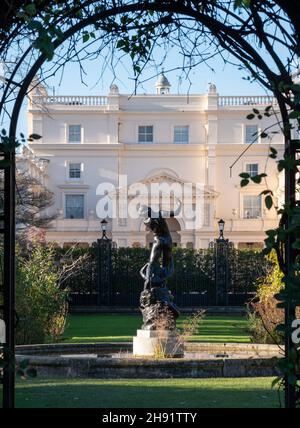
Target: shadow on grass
165	393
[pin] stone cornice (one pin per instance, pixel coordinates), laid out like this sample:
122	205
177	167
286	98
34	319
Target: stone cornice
73	186
118	146
236	149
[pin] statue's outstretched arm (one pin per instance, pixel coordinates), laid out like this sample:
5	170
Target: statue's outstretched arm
168	214
143	271
145	211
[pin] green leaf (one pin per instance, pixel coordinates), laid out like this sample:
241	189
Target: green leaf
120	43
30	9
266	192
45	45
271	232
294	114
35	136
256	179
266	251
85	37
281	234
268	202
244	175
34	25
250	116
244	182
240	3
263	135
280	165
296	244
273	154
295	88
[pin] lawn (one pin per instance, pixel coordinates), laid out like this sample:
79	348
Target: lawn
166	393
121	328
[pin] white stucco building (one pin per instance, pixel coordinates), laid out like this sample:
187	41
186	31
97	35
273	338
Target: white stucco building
154	138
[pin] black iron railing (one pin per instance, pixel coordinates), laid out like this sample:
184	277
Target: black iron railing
201	278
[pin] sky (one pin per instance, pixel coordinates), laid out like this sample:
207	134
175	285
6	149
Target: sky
229	79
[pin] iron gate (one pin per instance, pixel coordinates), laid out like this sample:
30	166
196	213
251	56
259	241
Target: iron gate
215	277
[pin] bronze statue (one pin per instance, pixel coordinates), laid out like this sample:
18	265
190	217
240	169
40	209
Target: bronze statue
156	299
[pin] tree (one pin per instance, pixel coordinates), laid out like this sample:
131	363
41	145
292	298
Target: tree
33	198
261	36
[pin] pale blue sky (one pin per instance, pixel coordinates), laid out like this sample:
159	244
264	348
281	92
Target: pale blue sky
228	79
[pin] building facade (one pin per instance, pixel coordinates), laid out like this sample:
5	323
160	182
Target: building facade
135	142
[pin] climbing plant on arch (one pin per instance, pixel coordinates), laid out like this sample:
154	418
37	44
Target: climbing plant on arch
261	37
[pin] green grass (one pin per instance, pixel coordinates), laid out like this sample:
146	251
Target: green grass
165	393
121	328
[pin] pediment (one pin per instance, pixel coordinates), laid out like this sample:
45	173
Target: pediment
162	178
209	193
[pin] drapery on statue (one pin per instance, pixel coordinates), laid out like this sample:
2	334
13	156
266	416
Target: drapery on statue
156	301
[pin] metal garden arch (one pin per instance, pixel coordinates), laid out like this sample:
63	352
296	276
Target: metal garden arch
225	37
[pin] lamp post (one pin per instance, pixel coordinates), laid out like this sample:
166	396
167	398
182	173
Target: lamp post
103	224
104	246
221	224
221	248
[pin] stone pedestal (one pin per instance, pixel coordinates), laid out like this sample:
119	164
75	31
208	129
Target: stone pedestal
157	343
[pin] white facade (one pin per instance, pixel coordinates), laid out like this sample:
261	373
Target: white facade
155	138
